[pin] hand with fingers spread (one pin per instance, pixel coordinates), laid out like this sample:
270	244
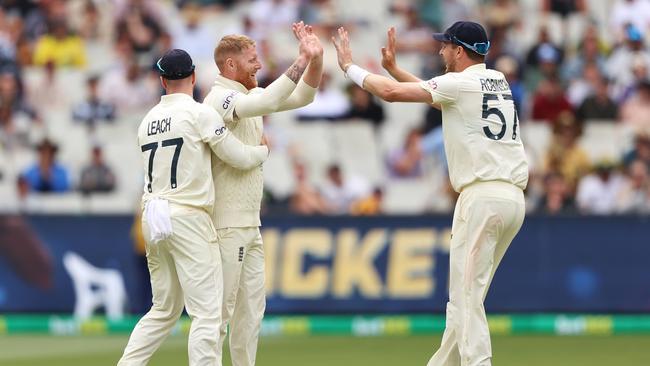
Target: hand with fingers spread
388	52
314	42
301	35
309	44
343	51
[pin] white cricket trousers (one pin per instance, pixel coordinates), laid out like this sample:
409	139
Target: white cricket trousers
487	217
183	272
244	299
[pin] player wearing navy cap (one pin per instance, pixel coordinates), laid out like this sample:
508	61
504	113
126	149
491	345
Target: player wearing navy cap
177	138
487	166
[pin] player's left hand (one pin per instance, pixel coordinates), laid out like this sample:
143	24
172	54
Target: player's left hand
314	42
343	51
388	51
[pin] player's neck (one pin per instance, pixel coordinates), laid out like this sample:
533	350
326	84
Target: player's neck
180	90
461	66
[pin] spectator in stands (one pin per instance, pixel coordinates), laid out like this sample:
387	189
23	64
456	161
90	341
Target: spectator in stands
626	12
45	83
193	35
580	88
501	14
406	162
414	36
138	23
60	46
625	59
363	105
635	112
556	198
500	47
622	93
322	14
37	16
564	154
93	109
598	105
634	197
565	9
453	11
12	98
549	100
17	118
284	13
306	200
544	51
641	150
589	53
97	177
46	175
597	192
339	192
8	39
370	205
330	103
88	22
509	66
127	88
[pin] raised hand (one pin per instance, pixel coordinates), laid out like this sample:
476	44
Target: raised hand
303	42
388	52
343	51
314	42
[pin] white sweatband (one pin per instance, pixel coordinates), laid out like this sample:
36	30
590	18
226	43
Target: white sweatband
356	74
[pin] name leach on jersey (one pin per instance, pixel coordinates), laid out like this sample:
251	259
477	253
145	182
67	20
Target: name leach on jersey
159	126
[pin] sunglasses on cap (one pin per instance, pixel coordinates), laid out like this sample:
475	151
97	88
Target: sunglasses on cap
481	48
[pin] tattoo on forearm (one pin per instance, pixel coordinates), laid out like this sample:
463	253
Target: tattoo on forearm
295	71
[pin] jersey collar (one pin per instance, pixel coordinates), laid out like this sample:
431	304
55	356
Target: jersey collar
476	67
230	84
175	97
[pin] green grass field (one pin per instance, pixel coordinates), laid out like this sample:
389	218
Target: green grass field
338	350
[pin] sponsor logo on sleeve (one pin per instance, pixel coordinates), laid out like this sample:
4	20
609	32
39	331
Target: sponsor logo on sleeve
432	84
228	99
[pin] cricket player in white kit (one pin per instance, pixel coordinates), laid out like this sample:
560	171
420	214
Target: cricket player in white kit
487	166
241	103
177	138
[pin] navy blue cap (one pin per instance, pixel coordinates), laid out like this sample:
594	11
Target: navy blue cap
175	64
469	35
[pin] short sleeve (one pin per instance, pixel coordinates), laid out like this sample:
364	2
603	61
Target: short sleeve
443	89
210	126
223	101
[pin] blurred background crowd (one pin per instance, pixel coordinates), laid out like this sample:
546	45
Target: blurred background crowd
77	76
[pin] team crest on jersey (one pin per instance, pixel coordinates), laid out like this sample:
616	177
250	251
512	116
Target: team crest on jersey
432	84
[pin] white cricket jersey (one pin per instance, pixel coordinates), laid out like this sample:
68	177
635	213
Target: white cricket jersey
480	127
239	197
176	138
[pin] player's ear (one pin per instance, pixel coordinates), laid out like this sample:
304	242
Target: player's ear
230	63
193	78
163	82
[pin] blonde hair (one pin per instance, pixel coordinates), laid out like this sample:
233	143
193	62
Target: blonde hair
233	44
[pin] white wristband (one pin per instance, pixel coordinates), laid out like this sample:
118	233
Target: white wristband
356	74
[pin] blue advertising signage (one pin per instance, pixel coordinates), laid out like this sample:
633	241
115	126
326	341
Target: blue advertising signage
341	265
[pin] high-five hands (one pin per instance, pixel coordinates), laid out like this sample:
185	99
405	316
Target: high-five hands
388	52
309	44
343	51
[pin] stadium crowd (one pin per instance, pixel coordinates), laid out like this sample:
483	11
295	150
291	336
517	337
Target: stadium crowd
583	82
